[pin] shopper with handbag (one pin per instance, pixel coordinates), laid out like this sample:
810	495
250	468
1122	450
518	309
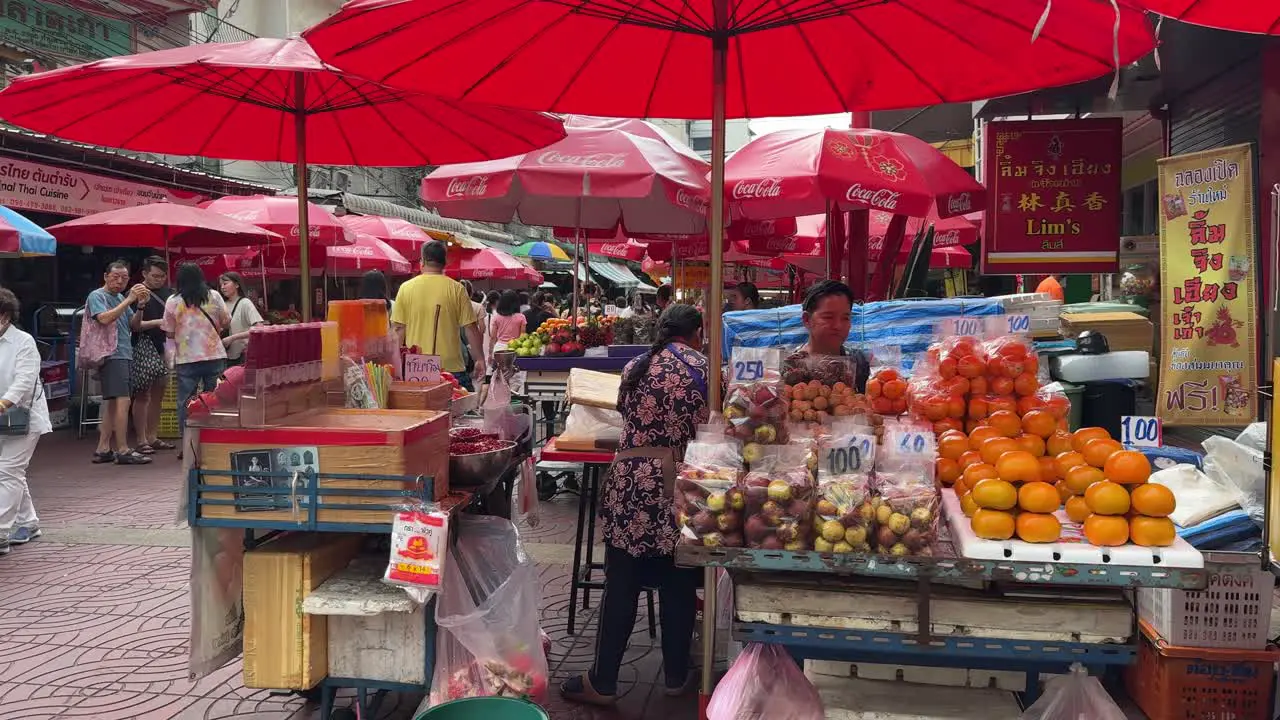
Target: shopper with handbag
194	318
24	417
106	343
149	374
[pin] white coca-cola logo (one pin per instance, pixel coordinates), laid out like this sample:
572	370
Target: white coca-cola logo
759	228
770	187
352	250
614	249
876	198
245	215
312	231
876	242
203	260
590	160
777	244
943	239
478	274
467	187
686	199
959	204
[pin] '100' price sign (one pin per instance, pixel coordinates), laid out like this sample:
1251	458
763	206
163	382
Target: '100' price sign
1141	431
849	454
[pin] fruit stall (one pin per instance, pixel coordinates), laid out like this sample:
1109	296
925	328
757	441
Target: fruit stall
939	512
327	479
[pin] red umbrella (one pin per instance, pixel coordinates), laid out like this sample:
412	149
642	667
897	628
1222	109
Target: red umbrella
620	248
250	265
489	264
403	236
365	254
1251	16
809	245
641	128
279	213
594	178
264	99
947	232
649	58
162	225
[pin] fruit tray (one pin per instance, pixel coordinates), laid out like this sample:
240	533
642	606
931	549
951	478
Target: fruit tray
1071	548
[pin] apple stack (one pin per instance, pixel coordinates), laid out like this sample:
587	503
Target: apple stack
709	501
779	496
755	411
844	519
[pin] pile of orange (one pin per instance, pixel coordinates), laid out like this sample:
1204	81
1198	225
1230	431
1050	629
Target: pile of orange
1012	474
887	391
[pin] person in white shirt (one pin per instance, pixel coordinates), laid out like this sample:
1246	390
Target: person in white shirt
20	387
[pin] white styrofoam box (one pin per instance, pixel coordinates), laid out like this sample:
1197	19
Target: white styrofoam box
390	647
1234	611
1070	548
857	699
1122	364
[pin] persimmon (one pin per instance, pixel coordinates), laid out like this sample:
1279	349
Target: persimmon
952	444
875	388
1038	497
1031	363
967	505
960	486
995	447
1048	468
977	472
1127	467
1077	509
981	435
969	457
948	425
1056	443
1038	527
970	367
971	424
1033	444
978	408
1152	531
955	386
947	368
948	470
994	494
996	403
1106	530
1029	403
956	406
1081	477
1098	450
894	389
1067	460
996	367
932	407
1039	422
1008	423
1016	465
1064	492
1153	500
1058	406
1107	498
1084	435
1001	385
1026	384
992	524
1012	348
978	386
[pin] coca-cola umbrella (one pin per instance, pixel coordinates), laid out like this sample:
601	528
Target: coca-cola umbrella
1251	16
163	225
947	232
267	100
279	213
806	248
365	254
251	265
489	264
403	236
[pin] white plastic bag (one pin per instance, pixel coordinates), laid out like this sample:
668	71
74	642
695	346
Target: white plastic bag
1199	496
524	503
1074	696
592	423
765	683
1239	467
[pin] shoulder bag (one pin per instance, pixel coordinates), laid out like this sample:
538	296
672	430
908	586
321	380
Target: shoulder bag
97	341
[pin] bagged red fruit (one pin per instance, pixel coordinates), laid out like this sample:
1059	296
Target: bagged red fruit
754	407
779	498
708	501
844	518
887	387
906	498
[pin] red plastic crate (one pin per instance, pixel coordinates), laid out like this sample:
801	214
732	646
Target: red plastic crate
1181	683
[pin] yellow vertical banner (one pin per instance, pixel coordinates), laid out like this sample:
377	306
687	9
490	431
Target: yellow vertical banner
1273	486
1208	373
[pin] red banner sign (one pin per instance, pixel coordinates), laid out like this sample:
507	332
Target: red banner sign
1053	196
627	250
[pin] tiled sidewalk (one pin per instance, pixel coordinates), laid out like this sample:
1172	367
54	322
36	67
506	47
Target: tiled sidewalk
94	616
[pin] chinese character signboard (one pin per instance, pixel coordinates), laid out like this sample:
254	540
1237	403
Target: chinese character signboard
1207	341
63	31
1053	197
30	186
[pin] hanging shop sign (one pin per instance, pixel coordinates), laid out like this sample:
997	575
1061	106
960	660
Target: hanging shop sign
689	275
1207	349
63	31
1053	194
43	188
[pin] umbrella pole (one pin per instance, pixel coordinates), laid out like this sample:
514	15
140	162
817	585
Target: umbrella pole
893	237
858	230
715	302
300	167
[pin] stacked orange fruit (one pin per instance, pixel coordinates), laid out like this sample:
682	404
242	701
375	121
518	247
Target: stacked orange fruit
1106	489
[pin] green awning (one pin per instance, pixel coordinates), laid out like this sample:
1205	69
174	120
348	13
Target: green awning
617	274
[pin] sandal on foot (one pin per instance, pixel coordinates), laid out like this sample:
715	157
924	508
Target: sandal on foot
145	449
132	458
578	689
103	457
163	445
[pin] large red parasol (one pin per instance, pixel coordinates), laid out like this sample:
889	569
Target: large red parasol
403	236
163	225
279	213
947	232
1251	16
489	264
365	254
268	100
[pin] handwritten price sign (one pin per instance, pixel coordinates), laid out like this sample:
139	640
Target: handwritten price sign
422	368
851	454
1141	431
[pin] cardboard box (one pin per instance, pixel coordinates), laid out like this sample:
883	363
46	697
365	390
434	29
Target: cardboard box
285	648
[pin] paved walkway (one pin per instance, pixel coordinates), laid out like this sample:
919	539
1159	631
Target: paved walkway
94	616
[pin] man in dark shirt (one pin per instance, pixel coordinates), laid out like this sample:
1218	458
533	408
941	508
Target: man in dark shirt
148	392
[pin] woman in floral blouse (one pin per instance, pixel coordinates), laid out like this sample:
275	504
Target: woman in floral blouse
663	399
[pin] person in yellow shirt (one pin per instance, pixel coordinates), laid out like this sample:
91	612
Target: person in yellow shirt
432	312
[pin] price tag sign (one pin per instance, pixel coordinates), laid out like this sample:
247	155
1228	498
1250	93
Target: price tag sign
422	368
962	326
748	370
913	442
1017	324
1141	431
848	455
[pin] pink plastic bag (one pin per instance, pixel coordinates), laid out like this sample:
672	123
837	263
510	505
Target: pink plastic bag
97	341
1074	696
765	683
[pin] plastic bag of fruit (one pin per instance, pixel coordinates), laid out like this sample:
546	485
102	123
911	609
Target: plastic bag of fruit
765	682
905	496
487	614
1073	696
819	389
754	407
779	499
887	386
844	518
708	501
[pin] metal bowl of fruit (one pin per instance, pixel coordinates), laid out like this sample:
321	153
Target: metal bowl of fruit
477	459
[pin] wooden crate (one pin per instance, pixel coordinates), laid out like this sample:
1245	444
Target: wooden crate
420	396
285	648
362	442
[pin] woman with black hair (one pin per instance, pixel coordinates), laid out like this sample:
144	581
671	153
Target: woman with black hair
244	316
194	317
662	399
373	286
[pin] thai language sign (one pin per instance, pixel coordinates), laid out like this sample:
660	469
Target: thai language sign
1053	197
1207	337
30	186
63	31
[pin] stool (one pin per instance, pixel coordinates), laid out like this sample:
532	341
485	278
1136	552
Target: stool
82	420
581	577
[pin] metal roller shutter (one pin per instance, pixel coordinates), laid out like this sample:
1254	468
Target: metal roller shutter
1224	111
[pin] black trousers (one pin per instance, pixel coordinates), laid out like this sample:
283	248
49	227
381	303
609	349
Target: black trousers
626	576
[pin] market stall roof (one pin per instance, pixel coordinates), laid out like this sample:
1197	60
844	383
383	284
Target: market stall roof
617	274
